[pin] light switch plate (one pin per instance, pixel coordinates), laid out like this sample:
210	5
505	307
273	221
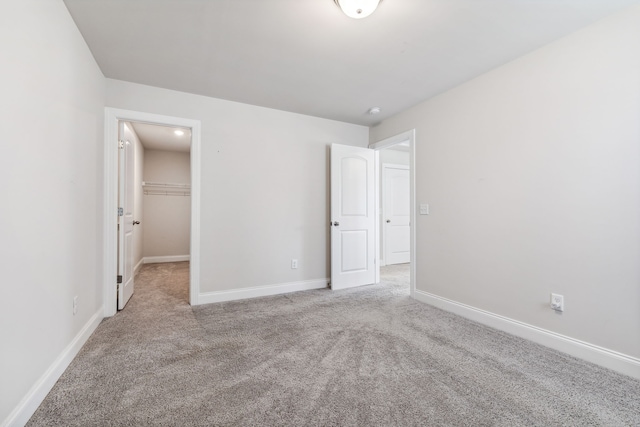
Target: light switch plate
424	209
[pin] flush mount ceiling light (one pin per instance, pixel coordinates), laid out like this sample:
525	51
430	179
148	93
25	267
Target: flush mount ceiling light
178	132
357	8
374	110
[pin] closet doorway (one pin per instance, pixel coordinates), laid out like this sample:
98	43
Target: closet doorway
166	206
156	161
162	193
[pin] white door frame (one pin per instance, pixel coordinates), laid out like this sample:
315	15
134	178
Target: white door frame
110	208
409	136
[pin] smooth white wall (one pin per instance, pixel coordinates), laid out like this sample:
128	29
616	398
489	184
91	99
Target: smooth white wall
532	174
167	218
51	113
172	167
265	185
395	157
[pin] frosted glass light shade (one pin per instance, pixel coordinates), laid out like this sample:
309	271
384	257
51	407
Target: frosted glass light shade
357	8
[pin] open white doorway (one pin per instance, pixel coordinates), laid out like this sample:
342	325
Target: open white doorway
141	124
395	202
166	193
163	187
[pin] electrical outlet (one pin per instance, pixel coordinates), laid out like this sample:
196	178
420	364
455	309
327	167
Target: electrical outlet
557	302
294	264
75	305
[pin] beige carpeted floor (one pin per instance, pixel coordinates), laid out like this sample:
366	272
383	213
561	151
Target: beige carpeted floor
369	356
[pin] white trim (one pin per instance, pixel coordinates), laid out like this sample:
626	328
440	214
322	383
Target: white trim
110	222
409	136
112	116
30	402
262	291
194	251
138	266
611	359
169	258
378	214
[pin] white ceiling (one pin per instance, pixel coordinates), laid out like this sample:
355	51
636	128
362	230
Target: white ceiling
156	137
306	56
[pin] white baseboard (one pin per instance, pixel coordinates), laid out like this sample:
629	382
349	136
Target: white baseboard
28	405
138	266
170	258
611	359
261	291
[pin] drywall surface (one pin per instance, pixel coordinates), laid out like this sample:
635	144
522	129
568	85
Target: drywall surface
51	113
532	175
264	185
172	167
138	200
167	217
395	157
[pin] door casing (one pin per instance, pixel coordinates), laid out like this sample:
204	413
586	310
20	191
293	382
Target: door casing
110	201
407	136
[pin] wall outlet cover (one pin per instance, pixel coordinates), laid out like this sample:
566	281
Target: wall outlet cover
557	302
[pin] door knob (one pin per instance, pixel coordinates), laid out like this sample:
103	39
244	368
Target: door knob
336	223
136	222
388	221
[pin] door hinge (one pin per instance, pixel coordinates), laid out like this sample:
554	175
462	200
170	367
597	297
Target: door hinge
120	211
119	279
121	144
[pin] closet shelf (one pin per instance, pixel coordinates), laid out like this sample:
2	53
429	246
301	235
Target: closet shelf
166	189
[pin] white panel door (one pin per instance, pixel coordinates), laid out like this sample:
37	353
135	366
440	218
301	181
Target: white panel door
352	216
125	218
396	206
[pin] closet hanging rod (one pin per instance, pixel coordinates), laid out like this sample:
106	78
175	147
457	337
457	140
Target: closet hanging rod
165	185
166	193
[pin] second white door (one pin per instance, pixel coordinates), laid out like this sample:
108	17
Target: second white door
396	213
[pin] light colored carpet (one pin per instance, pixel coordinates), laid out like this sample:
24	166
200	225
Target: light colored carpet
368	356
